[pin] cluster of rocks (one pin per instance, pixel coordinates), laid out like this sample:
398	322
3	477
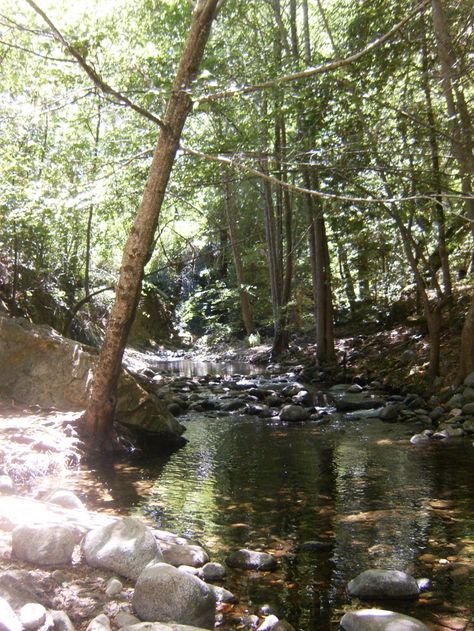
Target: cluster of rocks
453	418
280	397
161	581
385	585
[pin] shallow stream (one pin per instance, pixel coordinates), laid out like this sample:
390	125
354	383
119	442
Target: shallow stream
357	487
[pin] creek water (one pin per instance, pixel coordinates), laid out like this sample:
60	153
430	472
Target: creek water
355	486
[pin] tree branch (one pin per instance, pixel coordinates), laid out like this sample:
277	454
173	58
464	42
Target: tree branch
92	74
322	69
235	163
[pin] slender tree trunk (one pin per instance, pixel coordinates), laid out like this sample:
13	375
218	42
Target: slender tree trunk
239	269
459	119
90	217
317	237
431	312
346	276
100	410
437	180
466	364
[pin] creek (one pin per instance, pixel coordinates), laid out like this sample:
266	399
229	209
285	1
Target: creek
355	487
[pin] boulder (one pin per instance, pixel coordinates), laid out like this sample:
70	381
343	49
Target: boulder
468	409
303	397
160	626
469	380
125	619
66	499
223	595
383	584
61	620
125	546
293	413
390	412
43	368
33	616
350	402
113	588
6	485
269	623
44	544
468	396
379	620
8	619
19	587
213	572
164	593
177	555
99	623
252	560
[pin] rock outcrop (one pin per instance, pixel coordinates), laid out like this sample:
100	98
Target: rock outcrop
40	367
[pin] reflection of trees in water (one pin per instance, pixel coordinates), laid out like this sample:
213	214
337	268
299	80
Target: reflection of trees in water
253	483
382	489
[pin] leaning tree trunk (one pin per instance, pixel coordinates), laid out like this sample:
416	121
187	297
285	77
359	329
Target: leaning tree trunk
100	410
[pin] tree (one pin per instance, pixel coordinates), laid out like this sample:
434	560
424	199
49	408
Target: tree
100	410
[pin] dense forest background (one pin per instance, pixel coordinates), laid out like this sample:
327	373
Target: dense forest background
324	176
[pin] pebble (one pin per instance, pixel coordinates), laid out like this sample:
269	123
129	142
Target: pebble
113	588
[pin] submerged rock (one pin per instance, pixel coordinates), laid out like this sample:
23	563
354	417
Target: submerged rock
252	560
350	402
382	584
294	413
380	620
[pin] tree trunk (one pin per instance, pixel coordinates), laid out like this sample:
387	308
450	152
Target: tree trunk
239	269
100	410
437	178
459	121
90	217
466	364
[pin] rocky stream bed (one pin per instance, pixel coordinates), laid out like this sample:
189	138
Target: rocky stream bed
64	567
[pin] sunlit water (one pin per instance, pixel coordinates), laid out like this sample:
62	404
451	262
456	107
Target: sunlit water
357	486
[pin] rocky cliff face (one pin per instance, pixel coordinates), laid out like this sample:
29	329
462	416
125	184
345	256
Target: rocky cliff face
39	366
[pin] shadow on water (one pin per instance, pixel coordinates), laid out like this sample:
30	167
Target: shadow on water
355	487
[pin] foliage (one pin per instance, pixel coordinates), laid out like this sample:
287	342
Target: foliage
73	157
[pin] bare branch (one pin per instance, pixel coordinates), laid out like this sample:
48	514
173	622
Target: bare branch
235	163
322	69
33	52
91	72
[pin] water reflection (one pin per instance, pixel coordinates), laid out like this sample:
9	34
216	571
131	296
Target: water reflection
357	486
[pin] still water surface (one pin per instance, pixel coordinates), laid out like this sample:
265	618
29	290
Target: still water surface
356	486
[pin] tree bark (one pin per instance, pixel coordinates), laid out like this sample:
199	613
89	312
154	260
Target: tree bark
239	269
466	364
100	410
459	121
